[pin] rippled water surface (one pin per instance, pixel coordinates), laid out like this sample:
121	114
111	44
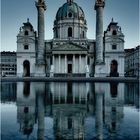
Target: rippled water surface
72	111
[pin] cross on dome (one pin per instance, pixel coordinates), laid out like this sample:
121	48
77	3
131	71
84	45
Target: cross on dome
27	19
112	20
69	1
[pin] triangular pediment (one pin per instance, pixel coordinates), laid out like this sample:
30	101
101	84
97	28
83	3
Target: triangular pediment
69	47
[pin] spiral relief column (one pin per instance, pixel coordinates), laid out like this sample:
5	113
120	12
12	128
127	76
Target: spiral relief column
99	61
40	61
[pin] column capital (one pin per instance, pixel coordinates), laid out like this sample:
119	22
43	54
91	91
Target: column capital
99	3
41	4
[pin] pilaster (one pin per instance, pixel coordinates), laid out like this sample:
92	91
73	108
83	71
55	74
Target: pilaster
65	63
53	60
74	63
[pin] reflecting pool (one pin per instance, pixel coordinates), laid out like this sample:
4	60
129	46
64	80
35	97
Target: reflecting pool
69	111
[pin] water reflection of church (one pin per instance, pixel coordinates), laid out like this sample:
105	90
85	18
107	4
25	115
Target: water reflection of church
69	107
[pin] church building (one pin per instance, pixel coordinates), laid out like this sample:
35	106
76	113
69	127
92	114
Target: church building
70	53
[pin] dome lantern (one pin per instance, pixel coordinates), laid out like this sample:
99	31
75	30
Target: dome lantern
69	1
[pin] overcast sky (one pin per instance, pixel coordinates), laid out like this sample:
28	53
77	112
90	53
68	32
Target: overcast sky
15	12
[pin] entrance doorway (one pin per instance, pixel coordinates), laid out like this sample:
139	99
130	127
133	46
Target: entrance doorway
114	69
69	68
26	68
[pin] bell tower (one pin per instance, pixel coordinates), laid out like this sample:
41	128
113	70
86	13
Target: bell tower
114	50
26	39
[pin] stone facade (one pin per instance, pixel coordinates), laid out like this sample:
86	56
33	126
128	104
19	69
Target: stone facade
26	50
114	50
69	53
132	62
8	64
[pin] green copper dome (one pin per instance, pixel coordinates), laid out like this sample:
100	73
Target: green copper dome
70	10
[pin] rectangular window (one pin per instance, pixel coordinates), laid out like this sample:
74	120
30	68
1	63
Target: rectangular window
114	47
26	47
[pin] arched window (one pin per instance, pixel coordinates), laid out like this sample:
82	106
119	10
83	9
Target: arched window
114	69
70	14
114	47
26	68
26	47
114	32
69	32
26	33
83	34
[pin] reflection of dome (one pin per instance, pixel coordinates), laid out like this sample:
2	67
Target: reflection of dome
70	10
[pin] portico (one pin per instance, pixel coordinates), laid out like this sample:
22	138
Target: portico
69	60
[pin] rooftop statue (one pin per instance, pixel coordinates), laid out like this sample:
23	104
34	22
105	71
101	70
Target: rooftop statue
99	1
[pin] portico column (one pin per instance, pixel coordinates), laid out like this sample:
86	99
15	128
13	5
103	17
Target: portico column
79	88
65	63
53	60
74	63
65	93
59	63
73	94
59	92
80	63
